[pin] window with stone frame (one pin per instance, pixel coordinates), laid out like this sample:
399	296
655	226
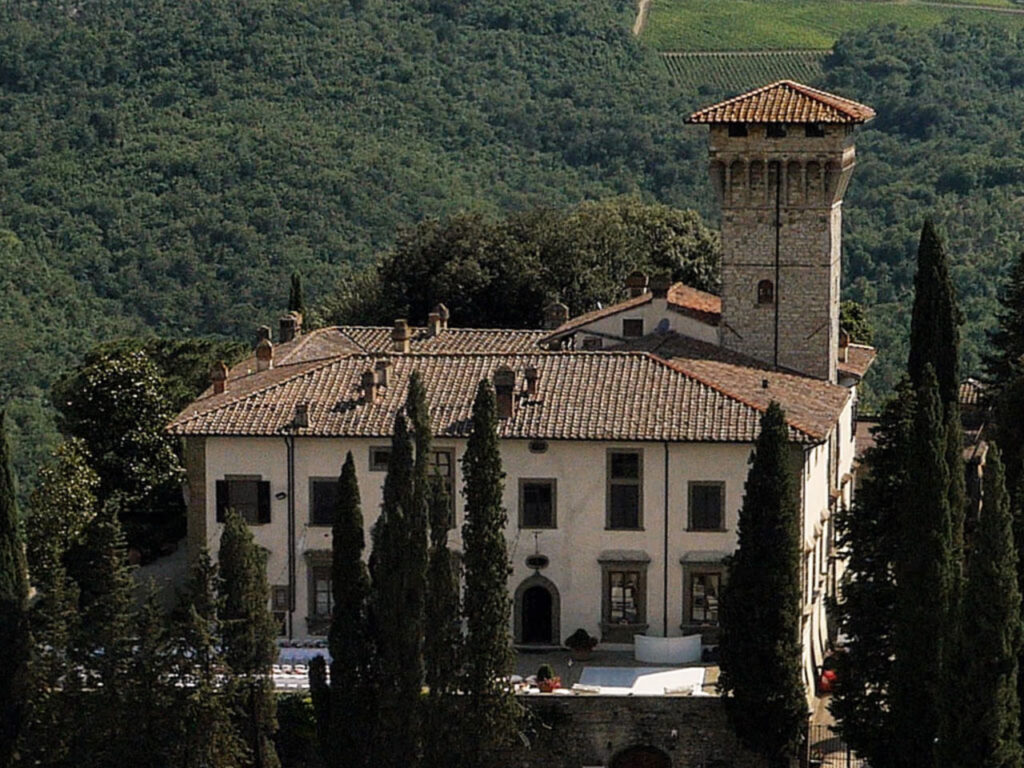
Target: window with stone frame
321	596
279	607
707	506
380	455
624	490
442	463
248	495
537	498
323	500
705	588
765	292
624	600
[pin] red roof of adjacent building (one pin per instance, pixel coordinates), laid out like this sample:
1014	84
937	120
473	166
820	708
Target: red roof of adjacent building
785	102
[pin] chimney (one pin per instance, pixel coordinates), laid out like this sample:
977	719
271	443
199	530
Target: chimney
504	390
263	332
219	377
290	327
636	284
532	377
400	336
660	285
264	355
844	346
301	418
444	314
555	315
368	384
381	367
434	324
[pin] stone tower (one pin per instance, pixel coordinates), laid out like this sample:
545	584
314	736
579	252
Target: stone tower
780	160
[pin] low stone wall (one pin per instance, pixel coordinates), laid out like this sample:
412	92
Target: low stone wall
579	731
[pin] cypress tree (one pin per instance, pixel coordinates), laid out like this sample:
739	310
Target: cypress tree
760	605
14	625
397	637
924	572
204	734
295	301
249	633
492	714
1004	377
986	732
869	539
346	710
443	639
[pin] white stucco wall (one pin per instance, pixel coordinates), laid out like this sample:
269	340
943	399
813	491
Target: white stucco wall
573	548
652	313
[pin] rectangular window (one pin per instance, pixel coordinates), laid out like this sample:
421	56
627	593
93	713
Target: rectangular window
623	597
707	506
323	500
814	130
591	343
737	130
633	328
322	600
775	131
379	458
625	478
279	606
537	504
248	496
624	601
704	591
442	463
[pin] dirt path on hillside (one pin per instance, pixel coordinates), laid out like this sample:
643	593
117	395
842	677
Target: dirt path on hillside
643	7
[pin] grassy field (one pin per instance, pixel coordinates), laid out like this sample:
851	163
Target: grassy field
741	71
746	25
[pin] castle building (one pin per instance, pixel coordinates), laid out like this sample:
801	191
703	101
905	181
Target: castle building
625	432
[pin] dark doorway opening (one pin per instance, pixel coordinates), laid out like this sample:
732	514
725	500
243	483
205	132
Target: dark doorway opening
537	623
642	757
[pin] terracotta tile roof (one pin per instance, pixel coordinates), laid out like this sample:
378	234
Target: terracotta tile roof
784	102
700	305
338	340
581	396
859	358
811	405
971	391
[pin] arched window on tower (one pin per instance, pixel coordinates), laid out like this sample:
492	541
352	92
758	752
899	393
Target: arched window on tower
765	292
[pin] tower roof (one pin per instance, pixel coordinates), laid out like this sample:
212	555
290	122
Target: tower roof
785	102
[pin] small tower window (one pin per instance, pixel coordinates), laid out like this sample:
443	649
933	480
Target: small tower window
765	292
814	130
737	129
776	131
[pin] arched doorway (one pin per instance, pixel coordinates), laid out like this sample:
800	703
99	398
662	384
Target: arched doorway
537	612
641	757
537	616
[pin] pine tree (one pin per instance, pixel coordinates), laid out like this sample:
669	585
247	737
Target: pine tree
14	624
249	633
925	583
492	714
203	731
760	605
1004	377
443	638
295	300
346	709
866	613
987	722
398	637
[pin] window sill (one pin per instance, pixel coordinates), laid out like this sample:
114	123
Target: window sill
707	530
538	527
609	528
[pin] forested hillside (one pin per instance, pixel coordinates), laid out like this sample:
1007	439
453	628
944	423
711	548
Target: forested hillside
166	165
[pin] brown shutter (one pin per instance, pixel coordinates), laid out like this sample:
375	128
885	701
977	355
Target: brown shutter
222	500
263	502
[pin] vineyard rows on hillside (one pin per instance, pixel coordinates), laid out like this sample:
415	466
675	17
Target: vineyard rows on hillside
715	72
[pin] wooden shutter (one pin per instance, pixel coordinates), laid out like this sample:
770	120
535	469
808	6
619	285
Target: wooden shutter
263	502
222	500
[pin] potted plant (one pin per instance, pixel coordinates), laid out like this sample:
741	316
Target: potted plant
547	680
581	644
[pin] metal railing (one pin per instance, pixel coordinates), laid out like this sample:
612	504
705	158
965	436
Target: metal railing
827	750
